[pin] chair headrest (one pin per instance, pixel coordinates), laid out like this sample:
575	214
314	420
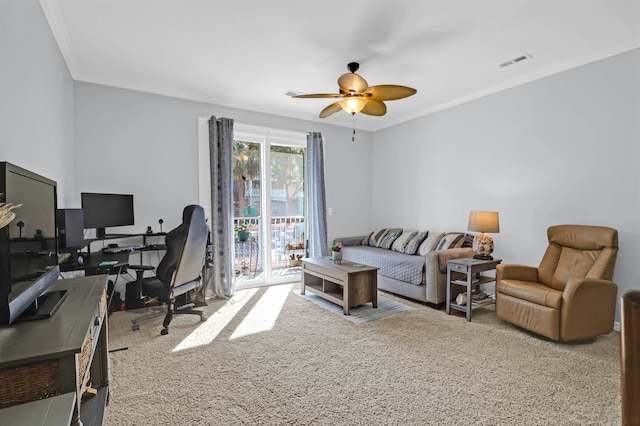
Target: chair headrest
584	237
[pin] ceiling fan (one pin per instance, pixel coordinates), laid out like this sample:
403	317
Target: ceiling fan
357	96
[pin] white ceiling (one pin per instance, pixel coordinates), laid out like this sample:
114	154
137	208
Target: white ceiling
248	54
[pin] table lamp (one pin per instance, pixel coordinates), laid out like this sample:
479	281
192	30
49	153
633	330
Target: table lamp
483	222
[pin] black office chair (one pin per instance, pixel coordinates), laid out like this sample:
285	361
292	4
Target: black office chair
180	270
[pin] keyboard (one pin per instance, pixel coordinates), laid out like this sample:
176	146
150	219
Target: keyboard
121	249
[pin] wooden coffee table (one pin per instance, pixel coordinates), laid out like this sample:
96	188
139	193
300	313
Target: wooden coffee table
347	284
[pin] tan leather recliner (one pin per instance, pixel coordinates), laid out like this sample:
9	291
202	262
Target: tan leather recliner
570	296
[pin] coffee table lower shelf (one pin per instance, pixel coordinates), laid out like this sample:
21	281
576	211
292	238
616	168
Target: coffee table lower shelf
343	284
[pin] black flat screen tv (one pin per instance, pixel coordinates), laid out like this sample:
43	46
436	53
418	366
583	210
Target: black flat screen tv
28	246
103	211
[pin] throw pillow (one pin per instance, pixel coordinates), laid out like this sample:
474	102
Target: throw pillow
391	236
430	243
400	243
451	240
414	243
365	242
377	236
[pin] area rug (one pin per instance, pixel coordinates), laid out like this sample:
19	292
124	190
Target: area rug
269	357
359	314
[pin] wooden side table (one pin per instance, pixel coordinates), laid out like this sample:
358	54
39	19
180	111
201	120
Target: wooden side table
473	278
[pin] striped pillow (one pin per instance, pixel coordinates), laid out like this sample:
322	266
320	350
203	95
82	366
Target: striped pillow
376	237
414	243
430	243
451	240
391	236
400	243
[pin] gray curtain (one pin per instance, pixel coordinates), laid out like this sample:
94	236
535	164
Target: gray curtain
316	205
222	282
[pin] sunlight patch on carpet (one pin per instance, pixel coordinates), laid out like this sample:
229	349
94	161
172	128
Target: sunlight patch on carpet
209	330
264	314
360	314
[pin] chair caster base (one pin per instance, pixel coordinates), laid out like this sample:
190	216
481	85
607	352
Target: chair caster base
164	331
135	327
203	318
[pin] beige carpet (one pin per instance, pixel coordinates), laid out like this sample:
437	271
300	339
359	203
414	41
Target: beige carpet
270	357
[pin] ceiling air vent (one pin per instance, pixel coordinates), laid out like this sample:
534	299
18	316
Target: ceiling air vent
516	60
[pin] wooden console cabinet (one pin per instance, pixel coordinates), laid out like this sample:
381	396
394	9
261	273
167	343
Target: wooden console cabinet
64	354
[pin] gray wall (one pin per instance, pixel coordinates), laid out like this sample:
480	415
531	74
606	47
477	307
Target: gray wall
563	149
145	144
36	97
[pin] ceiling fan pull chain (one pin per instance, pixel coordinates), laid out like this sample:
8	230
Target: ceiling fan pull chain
353	125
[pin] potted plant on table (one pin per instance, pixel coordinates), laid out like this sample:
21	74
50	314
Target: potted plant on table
336	253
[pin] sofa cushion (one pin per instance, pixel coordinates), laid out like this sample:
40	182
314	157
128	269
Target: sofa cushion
391	264
400	243
451	240
414	243
430	243
391	236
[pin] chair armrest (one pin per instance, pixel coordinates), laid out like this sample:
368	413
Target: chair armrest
141	267
516	272
588	308
350	241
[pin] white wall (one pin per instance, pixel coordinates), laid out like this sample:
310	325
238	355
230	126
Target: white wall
559	150
36	97
147	145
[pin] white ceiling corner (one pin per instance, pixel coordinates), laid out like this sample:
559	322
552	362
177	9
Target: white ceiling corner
249	54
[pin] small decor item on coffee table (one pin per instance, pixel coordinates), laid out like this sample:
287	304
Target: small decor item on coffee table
336	253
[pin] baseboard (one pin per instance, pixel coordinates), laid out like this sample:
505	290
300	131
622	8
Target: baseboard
616	326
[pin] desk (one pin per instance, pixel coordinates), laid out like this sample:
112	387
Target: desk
65	353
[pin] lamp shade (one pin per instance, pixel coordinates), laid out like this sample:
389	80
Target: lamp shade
484	222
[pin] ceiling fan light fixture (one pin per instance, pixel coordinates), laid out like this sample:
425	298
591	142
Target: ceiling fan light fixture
353	105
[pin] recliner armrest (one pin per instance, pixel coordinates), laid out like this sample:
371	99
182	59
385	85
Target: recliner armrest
516	272
580	299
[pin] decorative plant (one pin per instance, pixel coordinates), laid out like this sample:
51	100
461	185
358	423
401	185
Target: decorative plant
241	227
6	215
336	247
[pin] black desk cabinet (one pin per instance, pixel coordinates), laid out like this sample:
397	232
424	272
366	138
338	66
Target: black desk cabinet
65	353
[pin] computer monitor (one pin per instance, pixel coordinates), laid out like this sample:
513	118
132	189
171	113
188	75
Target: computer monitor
103	211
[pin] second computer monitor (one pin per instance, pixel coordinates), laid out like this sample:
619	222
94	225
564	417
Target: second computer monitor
103	211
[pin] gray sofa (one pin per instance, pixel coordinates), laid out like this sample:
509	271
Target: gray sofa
411	264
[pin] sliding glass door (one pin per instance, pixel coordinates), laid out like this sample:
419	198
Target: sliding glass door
269	208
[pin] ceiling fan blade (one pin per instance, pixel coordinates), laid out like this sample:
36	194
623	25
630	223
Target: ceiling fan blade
374	107
331	109
321	95
352	83
390	92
